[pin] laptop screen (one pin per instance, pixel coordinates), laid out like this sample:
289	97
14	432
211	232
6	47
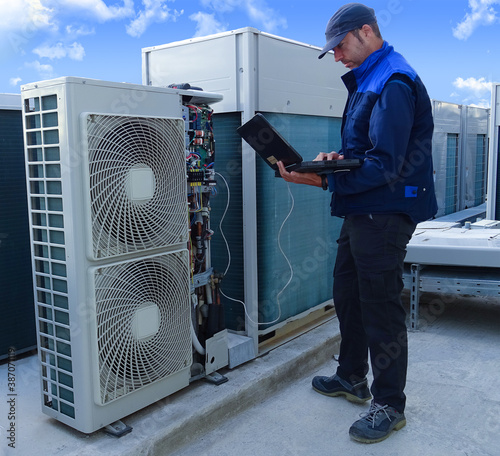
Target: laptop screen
268	143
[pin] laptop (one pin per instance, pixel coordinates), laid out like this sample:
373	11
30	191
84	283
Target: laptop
272	147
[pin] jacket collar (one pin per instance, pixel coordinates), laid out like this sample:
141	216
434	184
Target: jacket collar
355	77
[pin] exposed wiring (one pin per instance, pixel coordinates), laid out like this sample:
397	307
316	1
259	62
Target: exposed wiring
281	249
195	109
279	245
191	266
196	195
196	343
222	232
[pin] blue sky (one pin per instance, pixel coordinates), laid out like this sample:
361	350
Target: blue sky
451	43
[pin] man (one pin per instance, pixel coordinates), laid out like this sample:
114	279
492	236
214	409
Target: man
387	123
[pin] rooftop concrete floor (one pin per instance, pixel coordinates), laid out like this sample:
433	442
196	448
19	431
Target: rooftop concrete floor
269	408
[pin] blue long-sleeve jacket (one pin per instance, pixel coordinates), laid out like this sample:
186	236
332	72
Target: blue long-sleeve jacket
387	122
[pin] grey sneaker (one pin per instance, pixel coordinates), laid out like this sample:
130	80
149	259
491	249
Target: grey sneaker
377	424
336	386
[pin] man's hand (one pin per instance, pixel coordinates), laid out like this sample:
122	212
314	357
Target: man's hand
329	156
299	178
308	178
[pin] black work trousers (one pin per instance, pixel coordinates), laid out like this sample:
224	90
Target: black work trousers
367	296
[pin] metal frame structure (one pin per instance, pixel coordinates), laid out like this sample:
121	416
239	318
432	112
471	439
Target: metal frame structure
491	205
243	65
455	281
459	254
455	155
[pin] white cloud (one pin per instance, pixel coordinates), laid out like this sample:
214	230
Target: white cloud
28	16
222	6
154	11
266	16
25	15
40	15
79	31
481	13
206	24
74	51
14	81
21	19
477	86
258	11
97	8
51	52
473	91
45	71
481	104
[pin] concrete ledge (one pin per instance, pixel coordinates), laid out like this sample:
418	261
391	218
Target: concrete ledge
207	405
177	420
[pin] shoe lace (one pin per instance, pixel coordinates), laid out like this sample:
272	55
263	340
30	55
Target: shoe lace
373	413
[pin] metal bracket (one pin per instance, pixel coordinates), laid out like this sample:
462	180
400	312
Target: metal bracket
201	279
117	429
415	295
216	378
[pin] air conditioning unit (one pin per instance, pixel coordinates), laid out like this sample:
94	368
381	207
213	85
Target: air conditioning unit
107	195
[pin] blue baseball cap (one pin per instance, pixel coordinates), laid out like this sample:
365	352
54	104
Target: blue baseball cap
349	17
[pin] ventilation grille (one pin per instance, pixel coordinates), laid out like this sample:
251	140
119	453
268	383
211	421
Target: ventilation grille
143	334
480	170
48	241
451	190
137	182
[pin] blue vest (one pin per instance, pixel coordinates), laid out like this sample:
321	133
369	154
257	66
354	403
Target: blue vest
387	123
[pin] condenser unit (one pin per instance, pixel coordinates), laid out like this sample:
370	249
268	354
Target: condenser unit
17	326
106	181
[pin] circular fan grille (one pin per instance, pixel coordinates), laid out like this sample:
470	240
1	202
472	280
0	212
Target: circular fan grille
137	183
131	354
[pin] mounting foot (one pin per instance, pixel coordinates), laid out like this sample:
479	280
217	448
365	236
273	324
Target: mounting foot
216	378
118	429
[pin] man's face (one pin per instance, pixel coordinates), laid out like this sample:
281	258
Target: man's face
352	51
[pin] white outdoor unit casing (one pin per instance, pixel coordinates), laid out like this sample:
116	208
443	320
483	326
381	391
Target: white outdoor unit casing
493	203
475	127
254	70
446	157
459	153
108	220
